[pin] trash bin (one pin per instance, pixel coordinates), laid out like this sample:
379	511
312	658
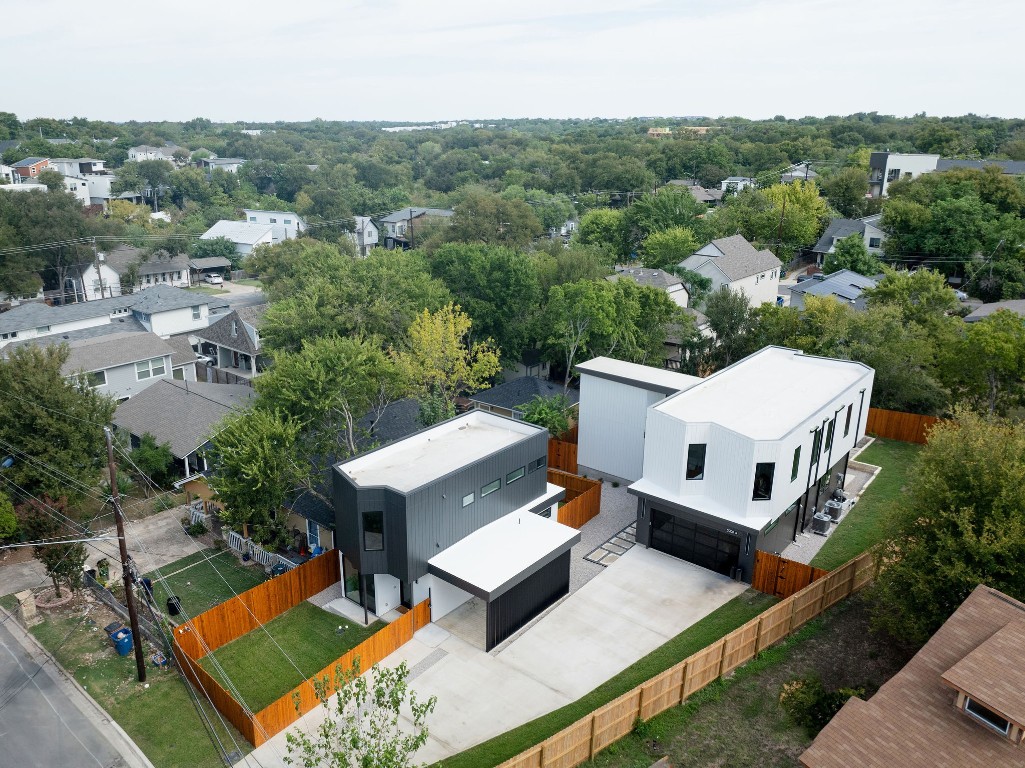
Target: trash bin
147	584
174	605
122	640
277	569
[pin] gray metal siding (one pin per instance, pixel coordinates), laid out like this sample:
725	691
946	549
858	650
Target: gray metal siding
435	516
516	608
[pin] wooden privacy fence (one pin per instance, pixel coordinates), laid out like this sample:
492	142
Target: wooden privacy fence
232	619
588	736
562	455
897	425
775	575
583	497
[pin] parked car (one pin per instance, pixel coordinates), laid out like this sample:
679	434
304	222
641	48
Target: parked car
213	278
816	276
961	295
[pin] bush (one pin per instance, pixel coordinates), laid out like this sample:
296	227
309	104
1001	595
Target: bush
196	529
164	503
810	705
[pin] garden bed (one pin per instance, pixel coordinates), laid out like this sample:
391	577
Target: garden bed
268	662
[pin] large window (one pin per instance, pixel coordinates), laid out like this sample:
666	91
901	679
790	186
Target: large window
796	465
763	481
146	369
847	421
696	461
373	531
491	487
515	475
986	716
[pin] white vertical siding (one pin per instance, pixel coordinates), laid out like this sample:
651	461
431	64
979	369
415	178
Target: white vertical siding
612	419
665	450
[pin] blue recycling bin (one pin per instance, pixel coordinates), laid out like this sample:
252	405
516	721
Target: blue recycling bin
122	640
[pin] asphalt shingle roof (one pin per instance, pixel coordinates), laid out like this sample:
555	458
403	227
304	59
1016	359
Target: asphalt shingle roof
102	352
838	228
844	284
210	262
739	258
1012	167
985	310
183	352
411	213
245	338
182	414
124	257
517	393
656	278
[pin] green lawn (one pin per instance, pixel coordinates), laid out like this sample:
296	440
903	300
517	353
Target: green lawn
162	719
207	290
204	579
864	525
250	281
257	665
718	623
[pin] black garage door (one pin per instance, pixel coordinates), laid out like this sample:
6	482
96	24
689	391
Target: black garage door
698	544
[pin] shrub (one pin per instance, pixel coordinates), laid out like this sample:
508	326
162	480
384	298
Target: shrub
163	503
196	529
811	705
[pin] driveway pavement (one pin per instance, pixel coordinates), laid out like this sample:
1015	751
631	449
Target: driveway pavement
153	542
46	719
628	610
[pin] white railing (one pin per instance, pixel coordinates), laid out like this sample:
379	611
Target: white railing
197	515
248	547
261	555
237	542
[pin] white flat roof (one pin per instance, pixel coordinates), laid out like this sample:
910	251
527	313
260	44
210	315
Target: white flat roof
498	556
620	370
435	452
766	394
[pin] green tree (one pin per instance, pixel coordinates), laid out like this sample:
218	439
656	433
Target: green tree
8	520
959	522
790	216
54	181
576	315
154	461
370	720
552	413
730	320
55	419
670	207
846	191
552	210
922	296
987	365
484	217
258	464
606	228
851	253
439	359
666	248
45	519
214	247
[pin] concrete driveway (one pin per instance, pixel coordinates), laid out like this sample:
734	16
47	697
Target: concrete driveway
636	605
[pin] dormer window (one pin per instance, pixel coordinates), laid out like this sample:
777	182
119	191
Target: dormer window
234	328
986	716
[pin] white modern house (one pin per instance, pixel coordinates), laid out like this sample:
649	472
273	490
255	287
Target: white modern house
655	278
886	167
146	152
246	235
734	184
460	510
365	236
291	222
737	462
732	262
226	164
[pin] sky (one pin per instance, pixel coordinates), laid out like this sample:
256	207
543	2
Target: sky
427	60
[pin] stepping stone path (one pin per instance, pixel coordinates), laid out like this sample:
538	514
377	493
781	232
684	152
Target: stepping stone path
611	550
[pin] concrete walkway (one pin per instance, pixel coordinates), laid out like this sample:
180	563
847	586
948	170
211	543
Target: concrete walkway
153	542
628	610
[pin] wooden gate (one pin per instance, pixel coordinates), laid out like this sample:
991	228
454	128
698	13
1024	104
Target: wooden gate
775	575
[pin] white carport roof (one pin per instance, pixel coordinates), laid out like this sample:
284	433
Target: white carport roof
494	559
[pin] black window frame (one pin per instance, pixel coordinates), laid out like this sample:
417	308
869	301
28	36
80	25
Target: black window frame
796	466
761	472
699	473
487	490
512	477
365	517
847	421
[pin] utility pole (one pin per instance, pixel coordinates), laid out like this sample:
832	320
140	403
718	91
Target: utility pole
126	571
779	231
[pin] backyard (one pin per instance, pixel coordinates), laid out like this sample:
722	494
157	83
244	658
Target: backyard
204	579
294	646
865	525
739	721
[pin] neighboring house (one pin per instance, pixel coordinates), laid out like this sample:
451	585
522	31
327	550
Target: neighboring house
30	167
227	164
7	174
184	416
233	341
1007	167
886	167
401	227
744	459
95	175
246	235
985	310
146	152
128	269
838	229
115	360
25	186
844	285
733	184
451	512
800	172
510	398
209	264
960	701
655	278
660	133
81	166
531	363
292	223
614	400
734	263
164	310
365	236
79	187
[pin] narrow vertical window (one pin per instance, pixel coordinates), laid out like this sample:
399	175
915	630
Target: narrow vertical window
373	531
829	436
847	421
763	481
696	461
796	464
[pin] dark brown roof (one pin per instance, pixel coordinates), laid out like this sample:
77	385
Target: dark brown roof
912	722
993	674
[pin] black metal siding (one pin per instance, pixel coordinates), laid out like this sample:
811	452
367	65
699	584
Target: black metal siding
515	608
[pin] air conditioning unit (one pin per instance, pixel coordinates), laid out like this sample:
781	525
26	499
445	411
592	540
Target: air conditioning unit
833	509
840	495
820	523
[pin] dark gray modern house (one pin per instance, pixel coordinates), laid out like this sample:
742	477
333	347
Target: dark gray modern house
459	510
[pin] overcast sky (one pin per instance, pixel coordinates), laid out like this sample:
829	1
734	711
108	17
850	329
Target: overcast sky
418	60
